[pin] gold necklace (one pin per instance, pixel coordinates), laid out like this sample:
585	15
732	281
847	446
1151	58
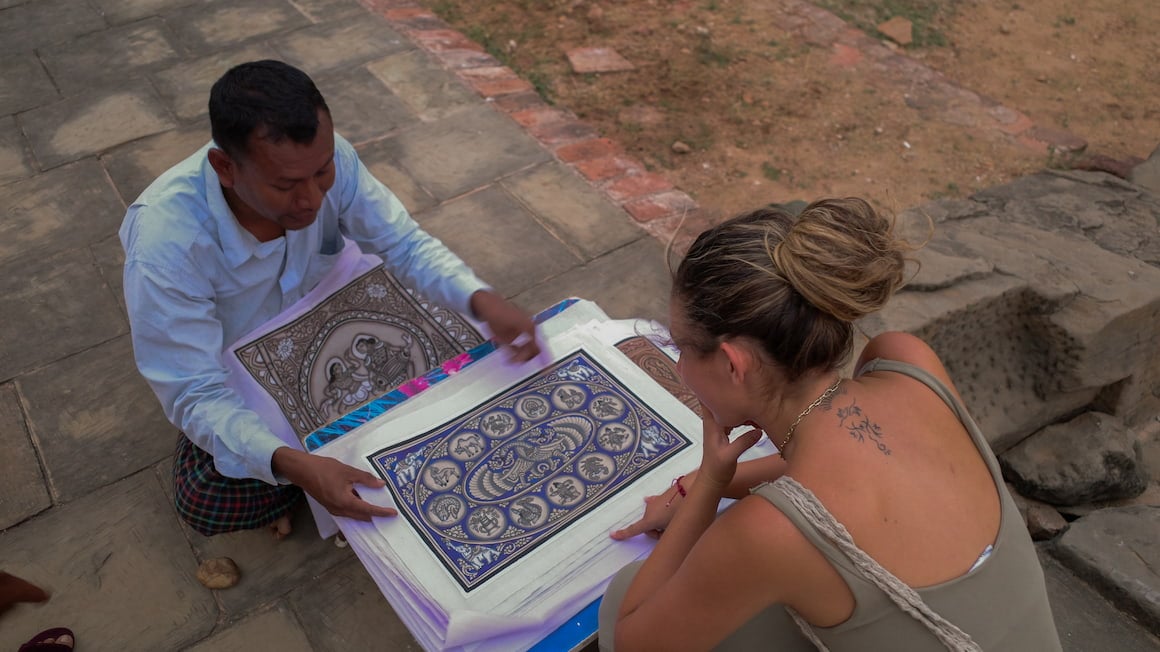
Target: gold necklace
793	426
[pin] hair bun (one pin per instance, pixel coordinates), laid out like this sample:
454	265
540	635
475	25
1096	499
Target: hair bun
842	257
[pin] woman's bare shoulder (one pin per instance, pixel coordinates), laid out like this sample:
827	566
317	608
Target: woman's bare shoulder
904	347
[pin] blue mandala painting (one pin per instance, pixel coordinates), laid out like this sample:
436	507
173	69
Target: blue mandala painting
487	488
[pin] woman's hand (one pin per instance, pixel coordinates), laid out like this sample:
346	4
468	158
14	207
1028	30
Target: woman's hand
719	456
658	511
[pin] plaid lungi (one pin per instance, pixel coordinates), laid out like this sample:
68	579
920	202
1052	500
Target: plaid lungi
214	504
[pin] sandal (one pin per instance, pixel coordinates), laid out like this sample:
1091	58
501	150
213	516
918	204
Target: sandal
37	644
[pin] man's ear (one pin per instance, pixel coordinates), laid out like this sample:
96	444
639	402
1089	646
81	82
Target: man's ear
225	167
740	361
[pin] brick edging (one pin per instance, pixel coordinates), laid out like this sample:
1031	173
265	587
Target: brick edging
649	198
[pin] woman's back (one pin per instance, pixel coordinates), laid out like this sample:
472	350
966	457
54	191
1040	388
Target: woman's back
922	497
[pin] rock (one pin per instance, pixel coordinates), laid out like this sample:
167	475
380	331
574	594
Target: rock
1057	140
898	29
1043	522
1118	552
595	16
587	60
1100	163
1021	502
1092	457
1147	174
681	148
218	573
1150	498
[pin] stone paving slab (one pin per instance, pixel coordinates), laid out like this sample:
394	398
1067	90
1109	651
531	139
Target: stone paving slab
362	39
35	24
205	27
109	56
605	281
499	239
94	121
24	84
362	107
344	610
15	157
110	258
320	11
133	166
568	207
39	219
119	12
376	156
1118	551
95	418
23	492
119	570
431	92
1085	620
270	569
185	87
53	307
272	629
464	151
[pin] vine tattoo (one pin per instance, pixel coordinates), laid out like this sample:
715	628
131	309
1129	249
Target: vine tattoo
861	427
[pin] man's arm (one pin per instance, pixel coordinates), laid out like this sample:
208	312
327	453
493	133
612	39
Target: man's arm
177	342
372	216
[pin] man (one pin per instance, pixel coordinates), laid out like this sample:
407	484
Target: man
230	237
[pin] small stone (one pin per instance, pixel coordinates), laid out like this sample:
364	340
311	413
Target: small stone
1044	522
1004	29
702	30
1041	78
218	573
586	60
595	14
898	29
681	148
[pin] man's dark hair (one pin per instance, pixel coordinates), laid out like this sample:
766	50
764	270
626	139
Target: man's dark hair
271	95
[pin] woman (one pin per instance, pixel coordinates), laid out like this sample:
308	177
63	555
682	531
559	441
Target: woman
883	481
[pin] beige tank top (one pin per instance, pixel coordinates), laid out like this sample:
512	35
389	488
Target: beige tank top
999	605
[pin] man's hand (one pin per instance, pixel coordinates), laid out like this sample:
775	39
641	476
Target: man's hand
512	327
330	482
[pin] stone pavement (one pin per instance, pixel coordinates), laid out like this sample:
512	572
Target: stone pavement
99	96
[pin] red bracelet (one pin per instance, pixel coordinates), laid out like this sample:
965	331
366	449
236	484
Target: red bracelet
680	490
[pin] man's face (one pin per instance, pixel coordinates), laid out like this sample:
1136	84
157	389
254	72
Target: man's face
281	182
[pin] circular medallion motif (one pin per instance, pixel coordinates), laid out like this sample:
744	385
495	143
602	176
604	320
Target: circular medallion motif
615	437
529	512
466	446
486	523
441	475
607	407
497	424
446	510
533	407
569	397
596	467
565	490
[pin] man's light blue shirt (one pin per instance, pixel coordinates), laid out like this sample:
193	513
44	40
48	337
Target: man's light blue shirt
196	281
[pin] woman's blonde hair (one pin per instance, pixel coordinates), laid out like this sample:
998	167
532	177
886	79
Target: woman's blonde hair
795	285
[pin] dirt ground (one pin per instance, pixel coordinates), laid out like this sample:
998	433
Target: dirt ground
738	112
